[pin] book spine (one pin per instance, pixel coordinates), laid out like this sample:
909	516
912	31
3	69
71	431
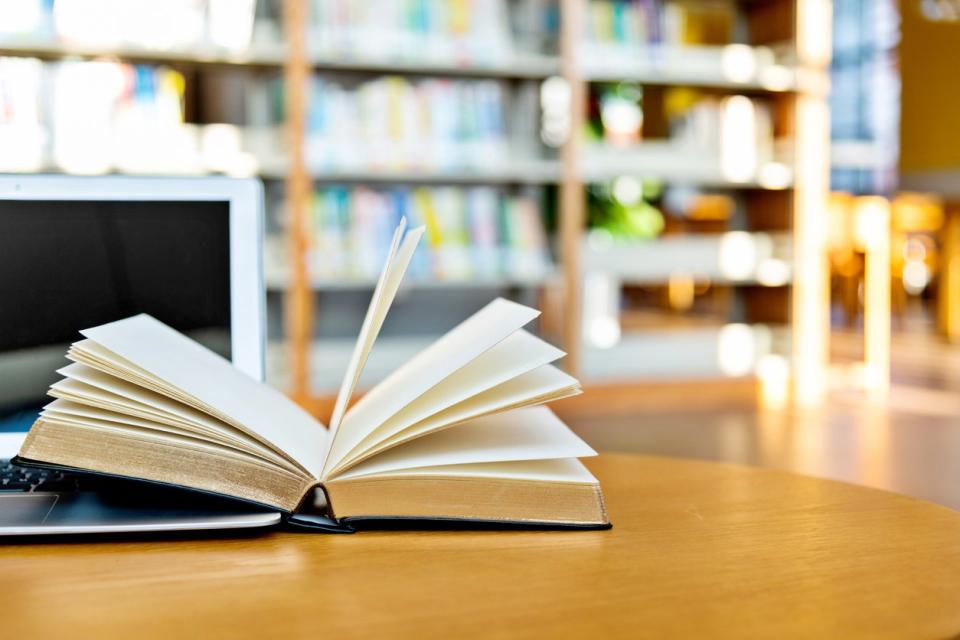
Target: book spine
474	232
393	123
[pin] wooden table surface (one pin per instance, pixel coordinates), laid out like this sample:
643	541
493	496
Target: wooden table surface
697	549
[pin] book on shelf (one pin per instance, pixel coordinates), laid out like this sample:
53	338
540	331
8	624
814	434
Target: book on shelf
618	25
426	31
393	123
160	25
622	23
441	31
94	117
737	128
132	120
457	433
476	232
91	117
731	137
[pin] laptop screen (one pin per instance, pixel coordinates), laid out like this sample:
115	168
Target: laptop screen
69	265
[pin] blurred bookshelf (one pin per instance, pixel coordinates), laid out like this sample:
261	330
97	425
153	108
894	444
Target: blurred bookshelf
672	162
642	150
273	55
532	171
732	66
704	164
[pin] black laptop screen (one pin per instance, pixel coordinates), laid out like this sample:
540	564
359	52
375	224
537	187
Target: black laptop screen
69	265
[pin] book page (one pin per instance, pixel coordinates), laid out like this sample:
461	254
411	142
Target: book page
463	344
139	397
88	352
524	434
398	259
214	382
69	410
519	353
543	384
83	393
131	433
555	470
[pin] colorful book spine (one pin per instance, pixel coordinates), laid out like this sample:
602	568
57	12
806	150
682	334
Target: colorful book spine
619	25
153	24
393	123
466	31
482	212
475	233
132	122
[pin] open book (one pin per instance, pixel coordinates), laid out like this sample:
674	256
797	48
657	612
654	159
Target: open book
452	434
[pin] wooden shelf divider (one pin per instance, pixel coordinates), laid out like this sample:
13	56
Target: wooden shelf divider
299	300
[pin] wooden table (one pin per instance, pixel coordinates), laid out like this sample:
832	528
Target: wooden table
697	549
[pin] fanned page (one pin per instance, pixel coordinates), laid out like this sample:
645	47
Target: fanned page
482	331
485	365
441	408
534	433
395	266
538	386
514	357
171	364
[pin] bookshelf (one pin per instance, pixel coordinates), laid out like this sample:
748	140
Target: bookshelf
775	283
273	55
767	61
670	162
531	171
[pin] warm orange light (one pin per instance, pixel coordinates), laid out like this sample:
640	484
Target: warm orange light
948	305
681	291
838	221
917	212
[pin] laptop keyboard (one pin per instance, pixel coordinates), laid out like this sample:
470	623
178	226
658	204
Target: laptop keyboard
24	480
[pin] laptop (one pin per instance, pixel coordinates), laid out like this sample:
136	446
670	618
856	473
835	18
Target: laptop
77	252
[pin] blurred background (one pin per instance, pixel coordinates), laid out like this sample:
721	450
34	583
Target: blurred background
739	218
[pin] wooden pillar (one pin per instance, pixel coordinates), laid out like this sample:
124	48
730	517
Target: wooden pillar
572	195
299	296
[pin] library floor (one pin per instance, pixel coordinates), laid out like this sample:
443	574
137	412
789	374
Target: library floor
909	444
